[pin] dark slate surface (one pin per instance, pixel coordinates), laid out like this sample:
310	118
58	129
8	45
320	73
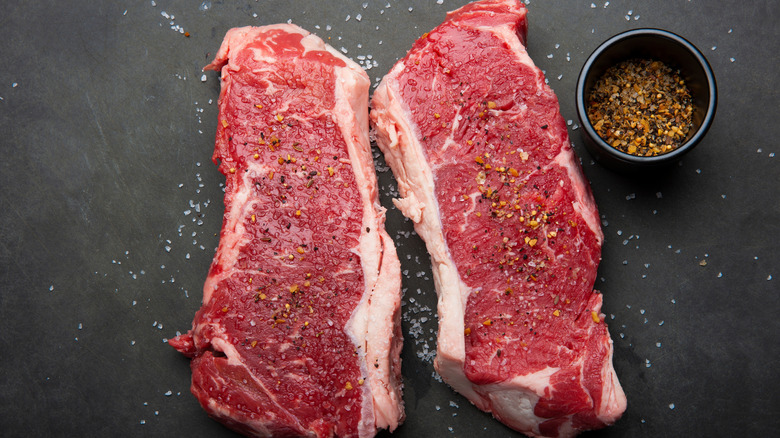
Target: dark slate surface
110	209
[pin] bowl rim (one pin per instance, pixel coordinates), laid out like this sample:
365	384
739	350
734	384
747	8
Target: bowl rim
685	147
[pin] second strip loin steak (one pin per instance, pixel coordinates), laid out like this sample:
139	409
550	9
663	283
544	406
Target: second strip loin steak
485	170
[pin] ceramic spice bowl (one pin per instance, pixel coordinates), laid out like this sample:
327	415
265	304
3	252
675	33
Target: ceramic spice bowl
692	74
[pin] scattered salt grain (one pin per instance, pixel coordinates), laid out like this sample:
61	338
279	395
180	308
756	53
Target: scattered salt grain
203	78
169	393
671	405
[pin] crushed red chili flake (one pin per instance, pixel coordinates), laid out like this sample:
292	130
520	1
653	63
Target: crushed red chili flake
641	107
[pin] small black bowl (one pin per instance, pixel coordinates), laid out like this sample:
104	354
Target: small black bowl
672	50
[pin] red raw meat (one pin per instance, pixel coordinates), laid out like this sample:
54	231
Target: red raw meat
299	332
485	170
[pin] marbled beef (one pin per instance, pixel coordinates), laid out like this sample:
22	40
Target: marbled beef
299	331
485	170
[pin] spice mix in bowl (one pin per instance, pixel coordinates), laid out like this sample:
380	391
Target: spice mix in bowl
645	97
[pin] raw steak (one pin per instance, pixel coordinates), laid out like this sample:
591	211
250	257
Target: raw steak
299	332
486	172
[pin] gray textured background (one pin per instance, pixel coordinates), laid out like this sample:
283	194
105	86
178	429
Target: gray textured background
110	209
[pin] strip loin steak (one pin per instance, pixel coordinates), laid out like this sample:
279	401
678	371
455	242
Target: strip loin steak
486	171
299	331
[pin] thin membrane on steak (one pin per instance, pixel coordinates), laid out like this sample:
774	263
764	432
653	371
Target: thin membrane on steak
486	171
299	331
